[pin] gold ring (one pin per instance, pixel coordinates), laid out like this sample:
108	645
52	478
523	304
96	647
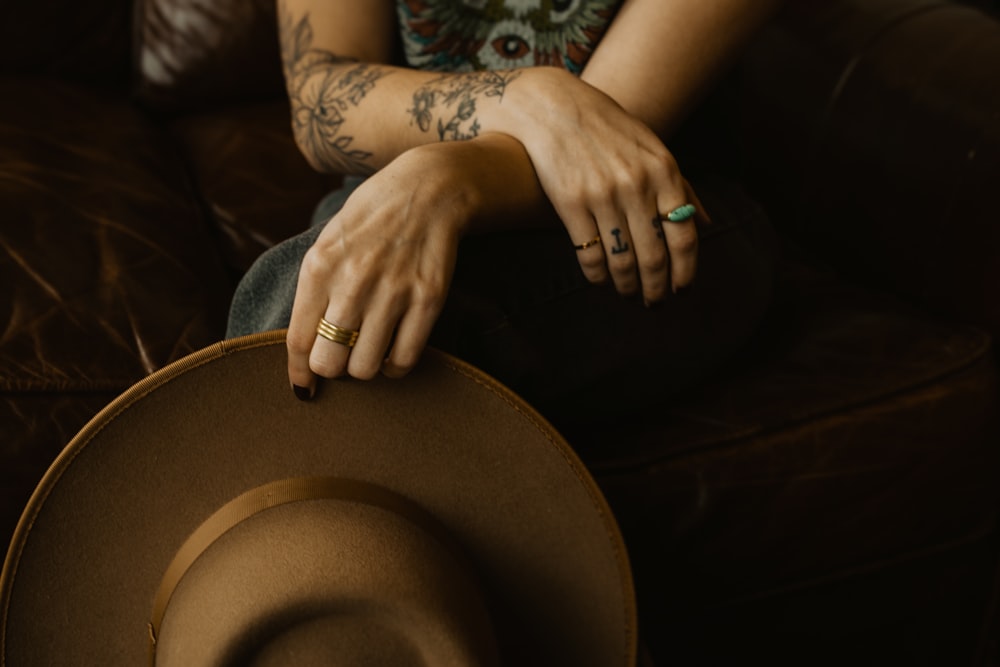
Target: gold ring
593	241
336	334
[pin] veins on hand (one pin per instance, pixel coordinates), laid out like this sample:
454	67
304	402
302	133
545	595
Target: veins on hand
323	88
453	97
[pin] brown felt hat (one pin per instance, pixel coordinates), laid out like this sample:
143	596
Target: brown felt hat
207	517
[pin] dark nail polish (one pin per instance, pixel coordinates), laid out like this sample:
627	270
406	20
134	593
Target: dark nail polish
302	393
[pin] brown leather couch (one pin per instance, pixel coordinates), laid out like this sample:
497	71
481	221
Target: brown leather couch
830	499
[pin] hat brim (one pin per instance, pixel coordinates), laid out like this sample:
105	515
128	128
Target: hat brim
93	543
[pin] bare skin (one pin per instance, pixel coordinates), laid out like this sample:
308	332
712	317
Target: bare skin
456	153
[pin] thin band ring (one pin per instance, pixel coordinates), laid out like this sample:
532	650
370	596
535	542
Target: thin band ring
682	213
335	334
592	242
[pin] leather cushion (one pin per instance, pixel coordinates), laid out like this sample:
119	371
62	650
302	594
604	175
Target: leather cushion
853	432
84	41
192	54
873	136
109	269
256	185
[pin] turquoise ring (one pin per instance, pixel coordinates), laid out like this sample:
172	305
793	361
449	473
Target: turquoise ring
681	213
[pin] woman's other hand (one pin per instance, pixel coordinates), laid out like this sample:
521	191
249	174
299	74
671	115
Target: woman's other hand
609	177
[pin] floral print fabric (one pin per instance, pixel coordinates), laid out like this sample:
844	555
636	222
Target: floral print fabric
464	35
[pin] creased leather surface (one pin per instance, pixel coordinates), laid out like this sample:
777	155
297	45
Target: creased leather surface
873	134
257	187
195	53
855	432
84	41
108	269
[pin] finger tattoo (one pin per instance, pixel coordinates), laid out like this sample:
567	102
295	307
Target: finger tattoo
619	246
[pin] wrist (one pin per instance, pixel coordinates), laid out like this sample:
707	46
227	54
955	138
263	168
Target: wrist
508	193
487	182
528	102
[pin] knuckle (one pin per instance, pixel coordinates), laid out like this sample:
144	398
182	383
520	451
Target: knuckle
654	262
403	362
666	162
313	265
393	370
627	285
299	341
667	166
325	368
597	275
640	177
623	264
363	371
684	241
626	188
573	197
591	262
428	295
655	291
632	179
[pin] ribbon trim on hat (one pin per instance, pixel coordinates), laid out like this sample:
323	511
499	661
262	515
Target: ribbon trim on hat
275	494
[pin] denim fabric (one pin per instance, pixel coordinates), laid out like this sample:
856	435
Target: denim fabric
263	298
520	309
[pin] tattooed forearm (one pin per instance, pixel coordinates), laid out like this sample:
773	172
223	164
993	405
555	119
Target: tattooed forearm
320	102
453	98
323	88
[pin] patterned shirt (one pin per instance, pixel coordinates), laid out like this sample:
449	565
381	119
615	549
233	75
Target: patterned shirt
464	35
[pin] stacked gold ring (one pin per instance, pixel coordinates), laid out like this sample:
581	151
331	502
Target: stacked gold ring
335	334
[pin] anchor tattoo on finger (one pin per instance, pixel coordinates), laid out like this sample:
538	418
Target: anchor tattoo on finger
619	246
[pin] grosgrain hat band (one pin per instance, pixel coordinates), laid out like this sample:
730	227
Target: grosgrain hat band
272	495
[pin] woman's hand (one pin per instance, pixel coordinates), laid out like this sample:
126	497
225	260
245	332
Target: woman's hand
608	176
382	267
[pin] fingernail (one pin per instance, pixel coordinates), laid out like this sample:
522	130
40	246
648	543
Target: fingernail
301	393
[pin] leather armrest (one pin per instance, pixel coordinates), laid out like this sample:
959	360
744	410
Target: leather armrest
870	130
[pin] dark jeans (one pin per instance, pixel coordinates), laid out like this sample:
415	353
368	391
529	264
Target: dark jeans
521	310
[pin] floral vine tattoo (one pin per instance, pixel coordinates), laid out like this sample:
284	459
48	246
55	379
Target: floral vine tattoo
454	97
323	88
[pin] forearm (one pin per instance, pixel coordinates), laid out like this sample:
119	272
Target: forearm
351	117
658	58
354	114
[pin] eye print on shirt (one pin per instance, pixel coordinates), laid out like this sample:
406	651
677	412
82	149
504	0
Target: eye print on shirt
511	47
509	44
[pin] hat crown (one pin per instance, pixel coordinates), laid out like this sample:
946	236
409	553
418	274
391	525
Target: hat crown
322	571
111	513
